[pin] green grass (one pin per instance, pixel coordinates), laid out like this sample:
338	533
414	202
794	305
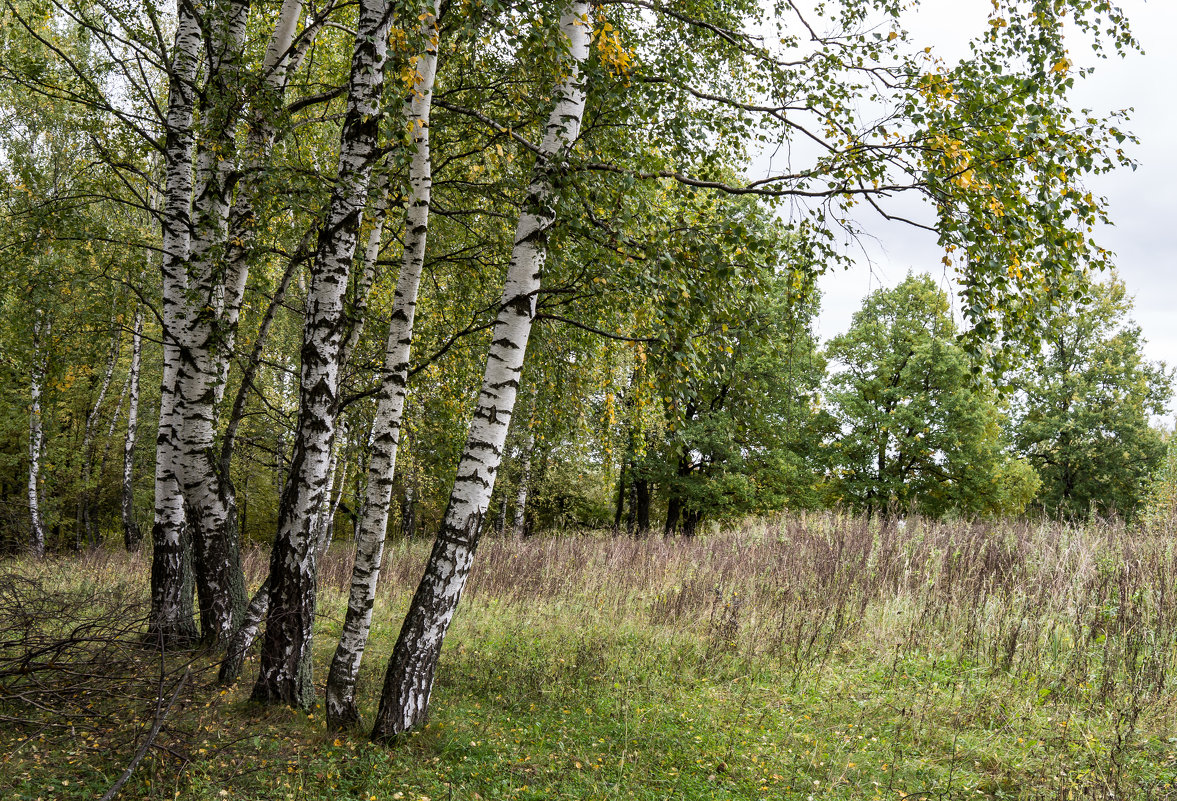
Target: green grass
796	659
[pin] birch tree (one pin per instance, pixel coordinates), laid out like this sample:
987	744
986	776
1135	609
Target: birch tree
386	428
409	678
131	533
84	525
208	291
171	571
41	337
285	670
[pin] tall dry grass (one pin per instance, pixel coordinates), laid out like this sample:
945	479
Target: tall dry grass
1075	607
1005	629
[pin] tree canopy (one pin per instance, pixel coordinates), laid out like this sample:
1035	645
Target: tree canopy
1084	409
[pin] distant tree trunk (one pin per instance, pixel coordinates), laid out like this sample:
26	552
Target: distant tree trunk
619	509
501	516
640	525
131	533
521	490
41	338
386	429
673	512
674	505
84	530
111	427
409	512
285	671
409	679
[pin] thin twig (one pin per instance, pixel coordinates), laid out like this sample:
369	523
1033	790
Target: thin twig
160	716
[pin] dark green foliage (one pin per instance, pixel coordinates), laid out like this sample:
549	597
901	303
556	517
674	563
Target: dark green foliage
736	373
1084	407
917	431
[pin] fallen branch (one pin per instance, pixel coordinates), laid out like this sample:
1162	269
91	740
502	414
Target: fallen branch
161	714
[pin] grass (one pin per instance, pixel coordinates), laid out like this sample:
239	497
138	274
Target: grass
805	657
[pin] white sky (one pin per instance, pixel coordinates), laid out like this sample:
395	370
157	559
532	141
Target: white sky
1143	203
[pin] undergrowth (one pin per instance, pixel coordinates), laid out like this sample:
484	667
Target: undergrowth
804	657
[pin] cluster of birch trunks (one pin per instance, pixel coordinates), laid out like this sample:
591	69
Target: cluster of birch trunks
209	208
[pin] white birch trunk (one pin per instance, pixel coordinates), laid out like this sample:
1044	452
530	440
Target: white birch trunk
131	533
171	597
339	478
245	635
241	240
285	670
113	425
212	307
386	429
323	516
524	481
217	290
409	678
41	336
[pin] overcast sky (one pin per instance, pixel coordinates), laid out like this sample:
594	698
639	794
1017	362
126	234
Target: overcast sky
1143	203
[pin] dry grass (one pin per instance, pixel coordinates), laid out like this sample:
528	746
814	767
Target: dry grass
792	657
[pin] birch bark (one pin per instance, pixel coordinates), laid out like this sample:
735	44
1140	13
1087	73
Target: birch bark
285	670
41	335
524	481
131	533
212	305
220	252
409	679
386	429
171	597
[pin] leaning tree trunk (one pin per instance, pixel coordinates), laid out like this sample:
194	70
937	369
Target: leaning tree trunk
41	334
323	527
239	644
409	679
170	619
285	670
386	429
131	533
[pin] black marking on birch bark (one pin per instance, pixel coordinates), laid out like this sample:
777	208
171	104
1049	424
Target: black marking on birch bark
409	678
285	671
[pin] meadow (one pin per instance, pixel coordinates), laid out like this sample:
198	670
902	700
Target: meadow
807	657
